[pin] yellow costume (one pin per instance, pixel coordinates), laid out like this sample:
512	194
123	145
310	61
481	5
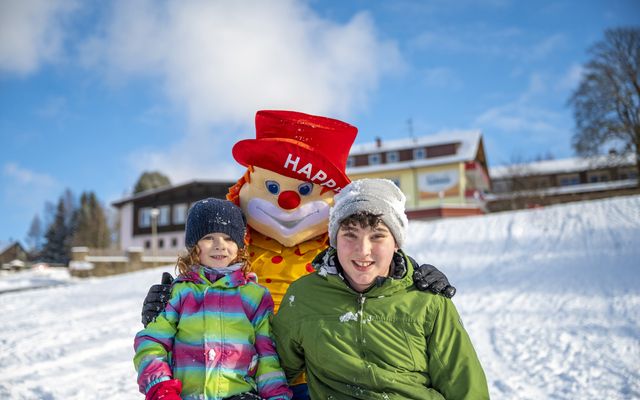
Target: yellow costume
277	265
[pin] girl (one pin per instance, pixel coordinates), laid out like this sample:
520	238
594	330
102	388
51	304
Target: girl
212	341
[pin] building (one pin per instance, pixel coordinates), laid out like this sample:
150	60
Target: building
559	181
163	210
442	175
12	256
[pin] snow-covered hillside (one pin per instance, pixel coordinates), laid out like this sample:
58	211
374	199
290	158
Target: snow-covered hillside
550	297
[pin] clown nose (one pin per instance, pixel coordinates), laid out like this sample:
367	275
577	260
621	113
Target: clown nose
289	200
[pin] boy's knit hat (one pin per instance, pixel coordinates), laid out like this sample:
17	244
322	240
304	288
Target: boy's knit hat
375	196
215	215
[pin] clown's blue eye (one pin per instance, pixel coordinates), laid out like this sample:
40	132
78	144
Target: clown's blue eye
273	187
305	188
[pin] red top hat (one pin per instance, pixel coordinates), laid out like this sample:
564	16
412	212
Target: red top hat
301	146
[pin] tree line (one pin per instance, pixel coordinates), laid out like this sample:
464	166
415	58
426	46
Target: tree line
71	222
79	221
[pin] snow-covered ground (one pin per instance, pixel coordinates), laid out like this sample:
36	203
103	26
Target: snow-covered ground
550	297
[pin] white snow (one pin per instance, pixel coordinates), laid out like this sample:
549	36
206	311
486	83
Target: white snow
550	297
350	316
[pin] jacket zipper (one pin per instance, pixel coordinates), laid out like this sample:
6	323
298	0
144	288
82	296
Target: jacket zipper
361	300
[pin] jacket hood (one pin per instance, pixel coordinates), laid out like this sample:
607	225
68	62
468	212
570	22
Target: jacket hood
328	266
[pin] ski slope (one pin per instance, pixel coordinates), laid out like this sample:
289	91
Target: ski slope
550	297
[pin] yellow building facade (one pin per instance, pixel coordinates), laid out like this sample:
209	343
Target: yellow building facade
442	175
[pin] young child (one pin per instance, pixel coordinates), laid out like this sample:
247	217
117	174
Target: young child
213	340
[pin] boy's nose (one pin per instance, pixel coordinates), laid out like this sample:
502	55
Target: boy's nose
364	247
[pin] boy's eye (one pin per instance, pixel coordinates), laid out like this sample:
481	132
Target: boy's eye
273	187
305	188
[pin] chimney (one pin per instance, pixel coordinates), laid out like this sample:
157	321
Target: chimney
378	142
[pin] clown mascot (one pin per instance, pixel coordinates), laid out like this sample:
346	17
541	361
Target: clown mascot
295	165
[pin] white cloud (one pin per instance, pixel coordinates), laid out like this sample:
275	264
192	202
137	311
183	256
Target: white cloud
221	61
24	191
31	33
441	77
511	43
526	121
196	157
25	177
571	78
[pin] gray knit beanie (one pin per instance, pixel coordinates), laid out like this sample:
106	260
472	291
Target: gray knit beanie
214	215
374	196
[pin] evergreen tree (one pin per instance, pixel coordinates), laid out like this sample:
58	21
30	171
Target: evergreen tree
56	248
150	180
91	228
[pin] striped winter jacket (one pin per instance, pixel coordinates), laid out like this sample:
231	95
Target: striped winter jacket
214	336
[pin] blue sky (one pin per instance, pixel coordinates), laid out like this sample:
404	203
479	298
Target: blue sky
94	93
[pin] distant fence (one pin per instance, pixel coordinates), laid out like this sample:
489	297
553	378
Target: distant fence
87	262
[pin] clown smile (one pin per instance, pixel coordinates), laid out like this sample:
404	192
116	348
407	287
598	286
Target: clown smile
291	224
288	223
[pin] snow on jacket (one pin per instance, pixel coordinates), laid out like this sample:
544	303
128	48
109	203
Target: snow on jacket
391	342
214	336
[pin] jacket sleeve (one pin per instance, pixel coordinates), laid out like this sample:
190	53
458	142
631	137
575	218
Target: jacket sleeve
270	378
286	333
453	364
154	344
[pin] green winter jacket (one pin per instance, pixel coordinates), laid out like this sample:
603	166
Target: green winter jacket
391	342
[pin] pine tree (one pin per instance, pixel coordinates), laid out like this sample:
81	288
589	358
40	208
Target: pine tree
91	228
56	248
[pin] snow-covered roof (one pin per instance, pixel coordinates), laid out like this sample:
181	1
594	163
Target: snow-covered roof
565	165
559	190
466	151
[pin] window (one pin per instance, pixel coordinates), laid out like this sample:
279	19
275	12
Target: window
600	176
144	217
419	154
160	243
627	173
351	162
374	159
179	213
163	216
569	180
393	156
147	244
174	242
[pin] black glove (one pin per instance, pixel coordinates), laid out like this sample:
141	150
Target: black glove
429	277
244	396
156	299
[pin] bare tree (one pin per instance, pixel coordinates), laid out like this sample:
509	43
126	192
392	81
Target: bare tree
607	102
35	236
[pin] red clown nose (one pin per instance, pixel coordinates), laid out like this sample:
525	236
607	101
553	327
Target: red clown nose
289	200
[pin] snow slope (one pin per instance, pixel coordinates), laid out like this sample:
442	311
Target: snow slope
550	297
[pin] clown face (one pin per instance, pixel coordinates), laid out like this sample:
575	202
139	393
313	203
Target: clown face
285	209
